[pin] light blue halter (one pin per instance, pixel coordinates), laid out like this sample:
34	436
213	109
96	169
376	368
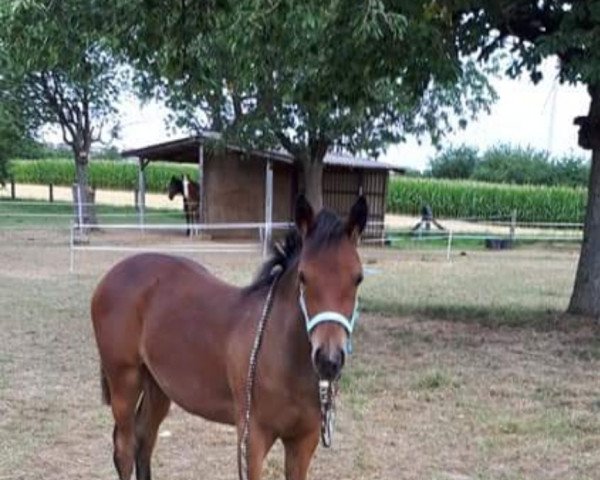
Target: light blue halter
329	316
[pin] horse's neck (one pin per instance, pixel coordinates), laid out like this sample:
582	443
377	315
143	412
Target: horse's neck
288	316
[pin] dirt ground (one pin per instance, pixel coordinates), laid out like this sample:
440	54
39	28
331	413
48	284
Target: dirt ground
430	392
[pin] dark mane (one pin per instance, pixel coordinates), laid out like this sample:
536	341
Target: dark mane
326	230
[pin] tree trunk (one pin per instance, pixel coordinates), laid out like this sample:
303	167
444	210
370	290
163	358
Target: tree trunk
87	209
312	175
585	299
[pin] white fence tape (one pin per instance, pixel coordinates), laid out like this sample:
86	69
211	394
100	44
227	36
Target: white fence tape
212	247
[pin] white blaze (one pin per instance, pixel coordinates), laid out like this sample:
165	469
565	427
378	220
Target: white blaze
186	187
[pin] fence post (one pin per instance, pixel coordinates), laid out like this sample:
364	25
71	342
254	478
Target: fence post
513	225
136	202
72	249
449	249
79	209
13	195
268	207
141	194
51	192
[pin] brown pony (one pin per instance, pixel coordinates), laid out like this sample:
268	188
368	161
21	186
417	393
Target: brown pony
167	330
190	191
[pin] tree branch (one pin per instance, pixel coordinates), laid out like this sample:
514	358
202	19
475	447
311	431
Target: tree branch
293	148
52	100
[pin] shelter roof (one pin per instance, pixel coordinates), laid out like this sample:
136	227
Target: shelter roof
185	150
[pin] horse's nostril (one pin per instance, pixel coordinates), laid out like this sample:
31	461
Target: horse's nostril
318	355
329	366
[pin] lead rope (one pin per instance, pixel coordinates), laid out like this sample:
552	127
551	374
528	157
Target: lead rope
243	444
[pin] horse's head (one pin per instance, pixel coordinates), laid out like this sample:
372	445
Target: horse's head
175	187
329	273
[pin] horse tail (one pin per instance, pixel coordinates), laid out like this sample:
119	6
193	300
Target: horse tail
105	389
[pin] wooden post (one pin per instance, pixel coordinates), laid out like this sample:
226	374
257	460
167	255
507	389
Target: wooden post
51	192
201	199
268	206
13	195
513	225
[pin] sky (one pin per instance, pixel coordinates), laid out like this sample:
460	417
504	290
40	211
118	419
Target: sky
540	116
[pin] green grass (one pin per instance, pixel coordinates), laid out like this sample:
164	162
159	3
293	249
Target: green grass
411	242
434	379
462	199
465	241
19	213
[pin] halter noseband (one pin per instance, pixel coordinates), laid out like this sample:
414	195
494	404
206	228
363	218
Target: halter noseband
329	316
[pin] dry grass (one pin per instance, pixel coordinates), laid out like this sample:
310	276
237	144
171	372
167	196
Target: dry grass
434	390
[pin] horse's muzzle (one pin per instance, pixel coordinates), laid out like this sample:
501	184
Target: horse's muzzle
329	363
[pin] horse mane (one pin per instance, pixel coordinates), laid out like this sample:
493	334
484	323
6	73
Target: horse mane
326	230
177	182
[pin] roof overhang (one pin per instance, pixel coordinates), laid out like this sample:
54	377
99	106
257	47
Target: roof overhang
185	150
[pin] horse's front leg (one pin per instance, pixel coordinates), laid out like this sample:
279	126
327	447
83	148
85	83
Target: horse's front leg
298	454
260	442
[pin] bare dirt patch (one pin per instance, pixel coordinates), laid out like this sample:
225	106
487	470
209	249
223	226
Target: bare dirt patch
424	396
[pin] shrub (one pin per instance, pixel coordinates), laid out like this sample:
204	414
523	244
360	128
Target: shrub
454	163
510	164
507	164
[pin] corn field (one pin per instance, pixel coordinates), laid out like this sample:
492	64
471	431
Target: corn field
465	199
105	174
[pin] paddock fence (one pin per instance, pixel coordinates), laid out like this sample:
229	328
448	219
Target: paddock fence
119	229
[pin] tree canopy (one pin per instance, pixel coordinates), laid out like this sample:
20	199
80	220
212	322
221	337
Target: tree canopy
10	135
58	67
307	76
533	30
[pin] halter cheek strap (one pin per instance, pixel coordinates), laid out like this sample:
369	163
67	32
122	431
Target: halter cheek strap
329	316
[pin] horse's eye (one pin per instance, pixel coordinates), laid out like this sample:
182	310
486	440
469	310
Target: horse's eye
359	279
301	277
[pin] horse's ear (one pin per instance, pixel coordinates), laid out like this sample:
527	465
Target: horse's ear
357	220
303	215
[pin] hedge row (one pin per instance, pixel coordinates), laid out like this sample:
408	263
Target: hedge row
117	175
463	199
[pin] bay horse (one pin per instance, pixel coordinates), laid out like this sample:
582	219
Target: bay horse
190	191
167	330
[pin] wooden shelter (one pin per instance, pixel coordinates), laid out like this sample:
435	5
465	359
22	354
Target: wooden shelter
249	186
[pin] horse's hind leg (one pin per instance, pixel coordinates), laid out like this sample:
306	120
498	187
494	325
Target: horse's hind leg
125	389
152	411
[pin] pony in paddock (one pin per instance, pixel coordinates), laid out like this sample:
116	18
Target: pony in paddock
190	191
264	358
